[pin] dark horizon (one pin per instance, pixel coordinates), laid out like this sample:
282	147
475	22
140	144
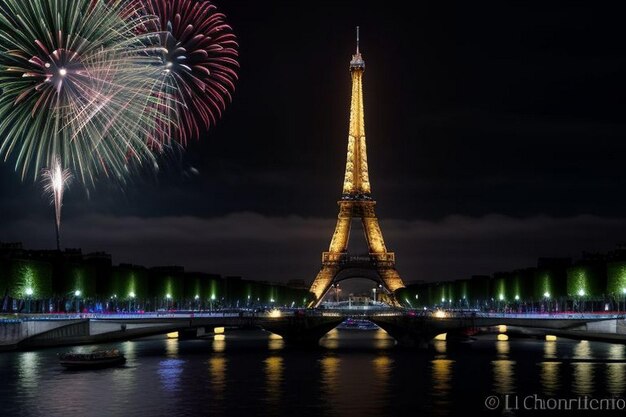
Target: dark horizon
494	133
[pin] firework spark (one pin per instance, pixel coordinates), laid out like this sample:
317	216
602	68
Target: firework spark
77	80
198	63
55	180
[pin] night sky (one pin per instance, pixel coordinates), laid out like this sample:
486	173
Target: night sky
495	129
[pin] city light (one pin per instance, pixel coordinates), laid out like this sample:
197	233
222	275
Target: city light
581	292
168	296
546	294
62	72
517	298
29	291
501	297
77	293
212	297
440	314
131	294
624	291
197	297
550	338
503	337
275	313
218	330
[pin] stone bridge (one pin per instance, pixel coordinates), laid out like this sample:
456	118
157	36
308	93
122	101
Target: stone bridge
296	329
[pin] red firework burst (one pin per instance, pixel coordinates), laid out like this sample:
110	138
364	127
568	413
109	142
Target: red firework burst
199	51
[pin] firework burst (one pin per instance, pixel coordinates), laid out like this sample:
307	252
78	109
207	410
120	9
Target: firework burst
76	84
55	180
198	64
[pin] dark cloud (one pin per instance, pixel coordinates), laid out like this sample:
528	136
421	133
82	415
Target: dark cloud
282	248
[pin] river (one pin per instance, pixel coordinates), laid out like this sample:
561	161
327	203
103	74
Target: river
352	373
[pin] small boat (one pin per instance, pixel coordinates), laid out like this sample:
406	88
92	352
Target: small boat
93	360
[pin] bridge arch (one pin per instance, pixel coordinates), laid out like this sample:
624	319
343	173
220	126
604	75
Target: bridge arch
356	272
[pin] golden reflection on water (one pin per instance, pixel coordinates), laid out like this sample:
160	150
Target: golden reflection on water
331	339
550	378
503	369
583	350
503	347
273	378
382	340
382	368
616	352
217	368
616	372
219	343
440	346
275	342
549	350
441	376
582	383
171	348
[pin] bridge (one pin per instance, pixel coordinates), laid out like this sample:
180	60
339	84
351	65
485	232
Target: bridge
297	327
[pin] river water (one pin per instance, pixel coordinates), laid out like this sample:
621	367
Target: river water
352	373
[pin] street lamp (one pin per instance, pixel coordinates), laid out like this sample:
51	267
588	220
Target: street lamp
131	298
197	298
77	294
168	297
212	299
29	294
581	294
374	291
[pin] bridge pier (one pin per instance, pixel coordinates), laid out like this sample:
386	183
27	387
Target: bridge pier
301	330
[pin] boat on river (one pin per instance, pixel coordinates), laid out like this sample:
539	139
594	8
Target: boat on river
93	360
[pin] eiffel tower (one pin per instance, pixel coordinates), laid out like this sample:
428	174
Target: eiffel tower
357	202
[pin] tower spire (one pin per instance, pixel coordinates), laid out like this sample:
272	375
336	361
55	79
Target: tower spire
356	183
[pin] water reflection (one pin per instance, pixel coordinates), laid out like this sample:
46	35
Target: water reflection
274	369
582	383
616	372
503	369
171	348
330	386
550	378
169	372
583	350
441	372
382	340
616	352
219	343
549	350
331	339
217	368
440	346
28	371
275	342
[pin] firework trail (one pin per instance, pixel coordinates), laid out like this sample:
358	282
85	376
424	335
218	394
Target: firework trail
76	80
55	180
198	64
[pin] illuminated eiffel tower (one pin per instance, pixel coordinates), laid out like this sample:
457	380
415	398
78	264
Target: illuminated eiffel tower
356	202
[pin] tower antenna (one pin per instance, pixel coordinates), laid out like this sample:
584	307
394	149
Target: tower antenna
357	39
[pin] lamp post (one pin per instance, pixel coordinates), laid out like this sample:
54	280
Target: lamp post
212	299
374	292
197	298
29	294
168	297
581	301
546	295
131	298
77	294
